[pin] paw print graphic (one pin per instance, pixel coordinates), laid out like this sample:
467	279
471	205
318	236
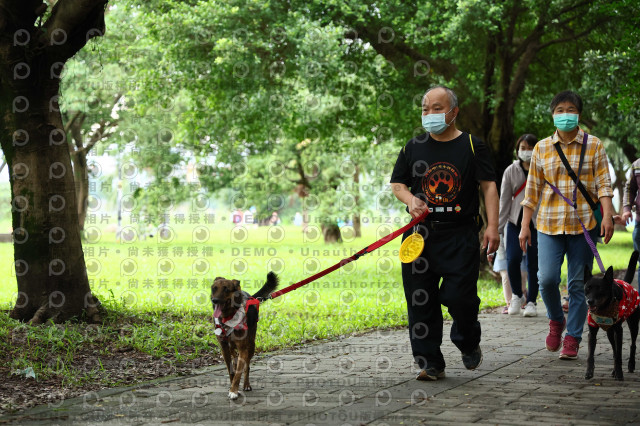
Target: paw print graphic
441	183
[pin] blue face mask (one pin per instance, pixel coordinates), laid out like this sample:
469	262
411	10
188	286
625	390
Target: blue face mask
565	122
435	123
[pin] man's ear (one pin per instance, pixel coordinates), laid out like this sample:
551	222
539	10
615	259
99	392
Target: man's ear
236	284
608	276
587	273
455	112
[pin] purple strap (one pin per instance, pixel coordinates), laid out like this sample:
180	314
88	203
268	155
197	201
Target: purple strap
590	242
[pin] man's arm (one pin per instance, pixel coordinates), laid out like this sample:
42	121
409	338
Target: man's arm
608	219
491	239
525	231
402	193
603	186
630	193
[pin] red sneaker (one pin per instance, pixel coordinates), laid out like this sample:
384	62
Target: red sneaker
569	348
554	338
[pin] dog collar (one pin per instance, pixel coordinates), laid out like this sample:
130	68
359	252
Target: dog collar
602	321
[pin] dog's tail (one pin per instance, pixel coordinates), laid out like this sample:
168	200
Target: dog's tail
269	286
631	269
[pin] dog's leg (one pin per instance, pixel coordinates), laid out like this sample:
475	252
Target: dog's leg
246	386
250	351
235	383
226	355
234	364
616	342
632	322
593	333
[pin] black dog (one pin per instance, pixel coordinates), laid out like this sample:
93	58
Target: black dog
611	302
235	313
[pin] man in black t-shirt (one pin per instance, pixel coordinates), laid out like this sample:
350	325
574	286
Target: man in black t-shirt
441	170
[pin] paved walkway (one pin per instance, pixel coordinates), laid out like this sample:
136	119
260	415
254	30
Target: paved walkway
369	379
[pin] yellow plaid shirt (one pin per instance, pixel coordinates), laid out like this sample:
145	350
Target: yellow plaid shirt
555	216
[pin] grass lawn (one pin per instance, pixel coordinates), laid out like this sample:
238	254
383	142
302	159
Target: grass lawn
157	297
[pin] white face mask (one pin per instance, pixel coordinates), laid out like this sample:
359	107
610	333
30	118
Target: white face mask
525	155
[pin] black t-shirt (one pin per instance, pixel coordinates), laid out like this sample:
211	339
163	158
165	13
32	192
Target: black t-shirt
445	174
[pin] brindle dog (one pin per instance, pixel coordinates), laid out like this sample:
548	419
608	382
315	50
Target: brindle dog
605	299
236	323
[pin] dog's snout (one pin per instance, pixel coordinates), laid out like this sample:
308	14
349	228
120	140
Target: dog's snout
215	300
590	302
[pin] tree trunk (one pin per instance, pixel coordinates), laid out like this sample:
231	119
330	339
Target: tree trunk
331	233
80	171
357	226
356	216
49	262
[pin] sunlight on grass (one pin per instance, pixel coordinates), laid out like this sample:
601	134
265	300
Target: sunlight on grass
154	280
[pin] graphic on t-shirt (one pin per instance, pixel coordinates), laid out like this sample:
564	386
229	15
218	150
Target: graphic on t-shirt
441	183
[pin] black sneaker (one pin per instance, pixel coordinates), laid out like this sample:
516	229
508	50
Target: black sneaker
431	374
472	360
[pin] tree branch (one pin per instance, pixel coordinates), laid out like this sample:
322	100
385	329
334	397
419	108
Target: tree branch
573	37
16	15
67	126
72	24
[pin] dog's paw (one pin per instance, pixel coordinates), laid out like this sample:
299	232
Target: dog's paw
233	396
589	374
617	374
247	388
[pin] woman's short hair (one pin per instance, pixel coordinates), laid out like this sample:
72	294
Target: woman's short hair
529	138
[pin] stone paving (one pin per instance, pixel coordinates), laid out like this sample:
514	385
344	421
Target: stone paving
370	379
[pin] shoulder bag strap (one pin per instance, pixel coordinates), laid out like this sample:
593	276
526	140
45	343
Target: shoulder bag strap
572	174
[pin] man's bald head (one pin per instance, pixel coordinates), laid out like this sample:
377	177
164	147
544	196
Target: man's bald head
438	91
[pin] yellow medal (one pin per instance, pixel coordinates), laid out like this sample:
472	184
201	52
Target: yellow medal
411	248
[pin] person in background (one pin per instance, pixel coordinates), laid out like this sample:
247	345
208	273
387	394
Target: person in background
499	262
514	181
630	199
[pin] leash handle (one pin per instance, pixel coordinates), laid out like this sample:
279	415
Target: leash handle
382	241
590	242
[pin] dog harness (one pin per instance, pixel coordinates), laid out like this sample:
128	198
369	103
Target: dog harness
626	306
237	321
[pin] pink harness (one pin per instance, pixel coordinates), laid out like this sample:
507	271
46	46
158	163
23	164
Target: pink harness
628	304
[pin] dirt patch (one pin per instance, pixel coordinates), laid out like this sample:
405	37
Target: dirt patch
123	368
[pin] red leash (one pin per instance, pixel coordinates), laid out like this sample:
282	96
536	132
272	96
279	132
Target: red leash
382	241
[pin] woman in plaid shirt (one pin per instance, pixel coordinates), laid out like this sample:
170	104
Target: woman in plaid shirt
559	230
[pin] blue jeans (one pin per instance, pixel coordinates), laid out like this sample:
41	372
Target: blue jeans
636	245
514	257
551	251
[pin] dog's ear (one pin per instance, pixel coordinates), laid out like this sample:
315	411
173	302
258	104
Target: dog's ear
608	276
587	273
218	278
236	284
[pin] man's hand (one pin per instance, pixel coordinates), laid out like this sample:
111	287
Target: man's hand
626	217
417	207
524	238
491	239
606	229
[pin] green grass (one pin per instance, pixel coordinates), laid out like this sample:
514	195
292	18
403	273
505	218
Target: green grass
168	315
